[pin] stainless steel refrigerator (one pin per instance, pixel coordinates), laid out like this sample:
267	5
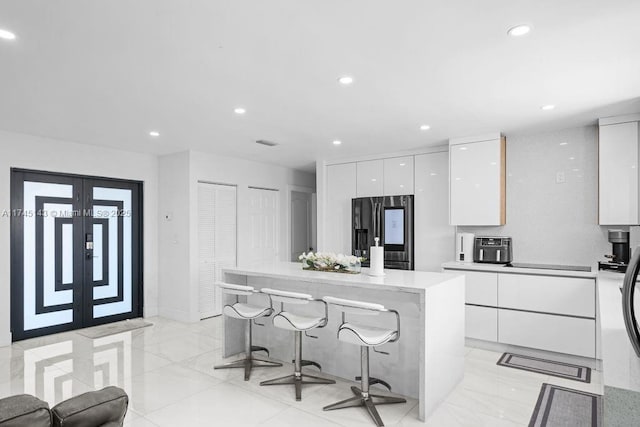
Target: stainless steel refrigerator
631	300
391	219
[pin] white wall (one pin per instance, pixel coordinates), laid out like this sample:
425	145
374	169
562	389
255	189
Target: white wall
30	152
179	290
553	222
173	236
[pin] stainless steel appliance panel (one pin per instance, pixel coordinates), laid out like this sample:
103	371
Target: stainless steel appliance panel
391	219
631	301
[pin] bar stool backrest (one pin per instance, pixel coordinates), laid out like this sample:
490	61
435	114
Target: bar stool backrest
232	289
287	297
356	307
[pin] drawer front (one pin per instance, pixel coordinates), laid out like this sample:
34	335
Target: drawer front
548	332
561	295
481	323
481	288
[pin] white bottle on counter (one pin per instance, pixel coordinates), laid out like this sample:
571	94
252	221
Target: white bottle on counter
377	259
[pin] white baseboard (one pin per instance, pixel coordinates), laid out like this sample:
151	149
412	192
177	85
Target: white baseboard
173	314
5	339
150	311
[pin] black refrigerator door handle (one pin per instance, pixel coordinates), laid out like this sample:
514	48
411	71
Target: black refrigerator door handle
375	221
380	222
628	308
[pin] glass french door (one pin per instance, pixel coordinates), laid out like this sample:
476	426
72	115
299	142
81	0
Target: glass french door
76	252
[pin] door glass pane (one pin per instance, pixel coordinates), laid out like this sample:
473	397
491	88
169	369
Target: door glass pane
67	254
97	252
114	205
44	305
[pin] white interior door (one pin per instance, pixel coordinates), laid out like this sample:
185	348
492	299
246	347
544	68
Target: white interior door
263	217
216	242
301	210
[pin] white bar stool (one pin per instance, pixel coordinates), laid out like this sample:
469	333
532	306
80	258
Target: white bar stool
248	312
297	323
365	337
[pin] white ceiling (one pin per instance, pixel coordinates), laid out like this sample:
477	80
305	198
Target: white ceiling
108	72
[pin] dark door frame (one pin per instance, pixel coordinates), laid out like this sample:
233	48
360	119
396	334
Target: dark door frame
80	299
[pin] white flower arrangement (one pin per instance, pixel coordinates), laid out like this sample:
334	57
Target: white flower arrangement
328	261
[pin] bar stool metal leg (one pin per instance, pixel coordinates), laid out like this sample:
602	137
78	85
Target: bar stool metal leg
362	395
298	378
249	360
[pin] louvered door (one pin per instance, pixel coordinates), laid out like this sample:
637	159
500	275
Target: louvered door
216	242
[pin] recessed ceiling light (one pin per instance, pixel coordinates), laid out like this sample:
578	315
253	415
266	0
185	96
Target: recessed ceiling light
463	148
373	180
345	80
154	133
7	35
337	142
425	127
564	143
403	164
239	110
548	107
572	158
519	30
433	174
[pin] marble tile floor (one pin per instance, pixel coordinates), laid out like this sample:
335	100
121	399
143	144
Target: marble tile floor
167	371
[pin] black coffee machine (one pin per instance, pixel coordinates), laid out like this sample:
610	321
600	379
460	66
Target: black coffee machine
619	259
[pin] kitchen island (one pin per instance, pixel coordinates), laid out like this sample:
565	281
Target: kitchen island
425	363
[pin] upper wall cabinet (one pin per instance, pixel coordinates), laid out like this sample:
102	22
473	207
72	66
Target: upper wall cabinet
341	188
618	172
434	237
398	176
477	180
370	178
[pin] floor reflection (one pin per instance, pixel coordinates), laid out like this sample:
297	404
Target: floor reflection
166	369
55	372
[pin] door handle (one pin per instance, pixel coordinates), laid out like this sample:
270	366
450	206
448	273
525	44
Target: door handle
628	301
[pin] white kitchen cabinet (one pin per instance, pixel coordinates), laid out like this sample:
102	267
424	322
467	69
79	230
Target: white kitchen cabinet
434	238
477	181
618	174
542	311
562	334
569	296
481	288
481	298
398	176
481	323
370	178
341	188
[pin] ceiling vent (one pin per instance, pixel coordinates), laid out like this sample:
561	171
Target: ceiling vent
267	143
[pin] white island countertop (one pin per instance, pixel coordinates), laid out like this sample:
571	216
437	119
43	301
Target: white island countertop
501	268
399	280
426	363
